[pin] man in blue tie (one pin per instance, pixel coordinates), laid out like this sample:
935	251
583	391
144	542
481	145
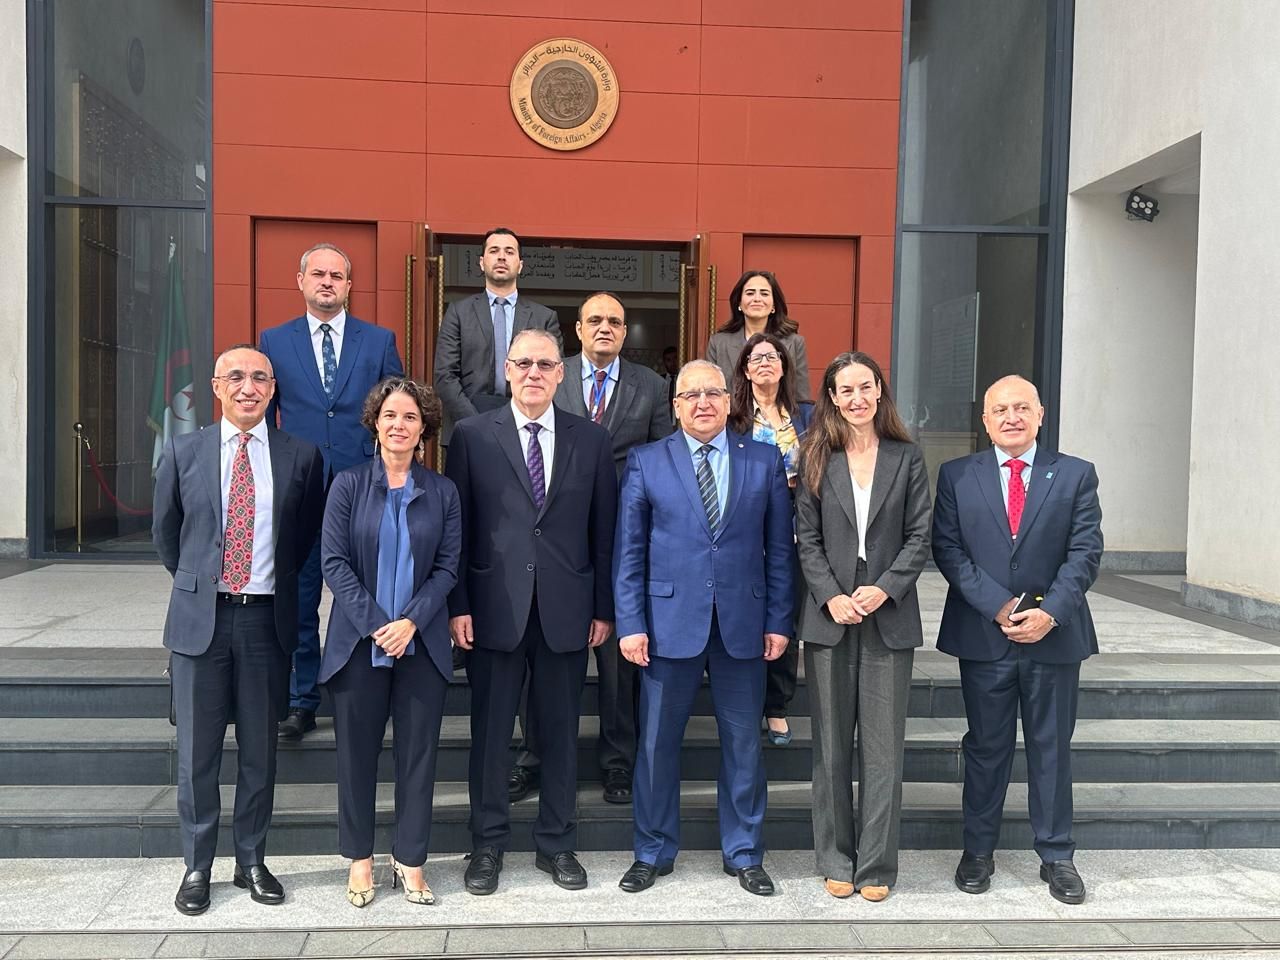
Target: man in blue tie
326	362
702	583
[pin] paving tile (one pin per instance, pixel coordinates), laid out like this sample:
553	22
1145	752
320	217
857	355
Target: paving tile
407	943
1055	933
1170	932
783	936
1268	931
7	944
180	945
85	946
516	941
675	936
921	936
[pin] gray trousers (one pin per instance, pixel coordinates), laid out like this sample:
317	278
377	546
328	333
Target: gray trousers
858	692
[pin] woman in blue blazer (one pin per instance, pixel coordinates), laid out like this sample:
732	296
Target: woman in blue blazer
765	408
389	550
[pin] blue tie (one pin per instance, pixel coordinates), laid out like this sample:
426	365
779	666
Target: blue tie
499	344
329	359
707	487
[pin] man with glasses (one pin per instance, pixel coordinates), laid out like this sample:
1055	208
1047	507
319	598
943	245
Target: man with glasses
476	332
629	401
237	506
539	498
326	362
702	583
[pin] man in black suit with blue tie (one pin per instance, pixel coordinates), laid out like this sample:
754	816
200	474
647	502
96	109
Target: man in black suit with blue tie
237	508
1018	521
326	362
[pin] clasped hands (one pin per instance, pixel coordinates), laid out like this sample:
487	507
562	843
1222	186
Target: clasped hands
460	629
851	608
635	647
1029	626
394	637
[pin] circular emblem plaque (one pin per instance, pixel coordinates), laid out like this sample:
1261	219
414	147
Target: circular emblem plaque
564	94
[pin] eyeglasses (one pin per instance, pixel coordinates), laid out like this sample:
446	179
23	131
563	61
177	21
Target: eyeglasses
524	364
759	359
693	396
236	377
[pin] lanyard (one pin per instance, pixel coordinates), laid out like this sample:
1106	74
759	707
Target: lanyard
598	389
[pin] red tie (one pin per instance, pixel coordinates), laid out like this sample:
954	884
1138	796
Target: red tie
237	554
1017	494
597	396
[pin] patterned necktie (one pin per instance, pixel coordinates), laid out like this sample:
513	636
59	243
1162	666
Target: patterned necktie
1017	494
237	553
707	488
499	344
597	396
537	470
329	359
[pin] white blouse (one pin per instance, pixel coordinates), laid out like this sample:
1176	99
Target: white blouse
862	506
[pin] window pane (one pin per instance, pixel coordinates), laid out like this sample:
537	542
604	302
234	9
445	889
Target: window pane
128	339
975	106
966	316
128	99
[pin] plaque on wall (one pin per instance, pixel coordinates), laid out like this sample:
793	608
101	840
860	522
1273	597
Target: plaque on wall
564	94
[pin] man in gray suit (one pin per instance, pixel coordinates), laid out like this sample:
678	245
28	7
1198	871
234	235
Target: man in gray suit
237	507
470	376
629	401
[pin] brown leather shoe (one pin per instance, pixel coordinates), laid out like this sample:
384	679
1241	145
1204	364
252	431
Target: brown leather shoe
839	888
874	894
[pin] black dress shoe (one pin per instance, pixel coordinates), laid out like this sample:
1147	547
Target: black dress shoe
564	868
481	877
521	782
752	879
641	875
1064	881
299	721
262	886
193	895
617	786
973	875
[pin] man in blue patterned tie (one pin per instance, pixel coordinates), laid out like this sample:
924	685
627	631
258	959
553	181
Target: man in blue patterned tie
539	495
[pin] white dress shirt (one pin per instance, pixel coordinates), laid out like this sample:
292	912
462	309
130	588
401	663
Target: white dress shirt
262	577
338	324
862	509
546	438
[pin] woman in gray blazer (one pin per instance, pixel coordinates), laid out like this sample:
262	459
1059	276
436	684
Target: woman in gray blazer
862	531
757	305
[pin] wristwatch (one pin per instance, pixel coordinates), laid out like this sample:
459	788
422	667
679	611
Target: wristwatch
1052	621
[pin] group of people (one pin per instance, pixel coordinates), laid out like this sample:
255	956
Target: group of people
707	524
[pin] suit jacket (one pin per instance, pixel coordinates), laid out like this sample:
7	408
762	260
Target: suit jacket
187	528
510	547
724	348
1057	553
464	366
637	413
368	356
670	572
349	559
897	544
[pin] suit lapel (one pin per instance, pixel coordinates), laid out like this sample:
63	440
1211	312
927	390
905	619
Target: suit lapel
484	316
888	460
840	480
1042	477
623	392
572	386
504	428
211	466
353	331
559	457
984	472
282	451
307	357
738	467
682	462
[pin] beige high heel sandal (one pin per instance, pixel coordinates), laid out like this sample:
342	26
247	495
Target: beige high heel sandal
423	897
360	898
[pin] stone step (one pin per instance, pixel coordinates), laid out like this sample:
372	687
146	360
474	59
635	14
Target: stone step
67	751
131	683
131	821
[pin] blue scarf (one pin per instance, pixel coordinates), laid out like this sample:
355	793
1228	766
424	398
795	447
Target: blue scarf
395	565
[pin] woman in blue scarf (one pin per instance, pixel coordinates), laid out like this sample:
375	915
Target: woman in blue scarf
390	547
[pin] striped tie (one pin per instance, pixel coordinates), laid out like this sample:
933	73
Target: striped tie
707	488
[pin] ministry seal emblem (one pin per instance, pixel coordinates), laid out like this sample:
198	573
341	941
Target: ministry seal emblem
564	94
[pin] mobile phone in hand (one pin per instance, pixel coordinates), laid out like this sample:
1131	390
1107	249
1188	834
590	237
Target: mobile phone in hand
1027	601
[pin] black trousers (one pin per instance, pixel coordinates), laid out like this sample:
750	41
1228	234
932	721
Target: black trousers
555	699
780	674
411	692
618	693
242	678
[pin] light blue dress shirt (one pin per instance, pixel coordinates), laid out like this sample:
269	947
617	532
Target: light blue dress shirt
719	460
1002	458
589	382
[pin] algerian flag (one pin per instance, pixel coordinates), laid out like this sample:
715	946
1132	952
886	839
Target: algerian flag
172	409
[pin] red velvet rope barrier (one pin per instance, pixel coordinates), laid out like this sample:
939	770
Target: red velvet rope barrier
102	482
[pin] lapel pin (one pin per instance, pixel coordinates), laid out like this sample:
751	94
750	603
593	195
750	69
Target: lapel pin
741	446
1049	475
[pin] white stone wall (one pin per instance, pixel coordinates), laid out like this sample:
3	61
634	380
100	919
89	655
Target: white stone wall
1151	76
13	305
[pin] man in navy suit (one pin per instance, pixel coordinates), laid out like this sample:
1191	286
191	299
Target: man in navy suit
702	582
1011	521
326	362
539	497
237	507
